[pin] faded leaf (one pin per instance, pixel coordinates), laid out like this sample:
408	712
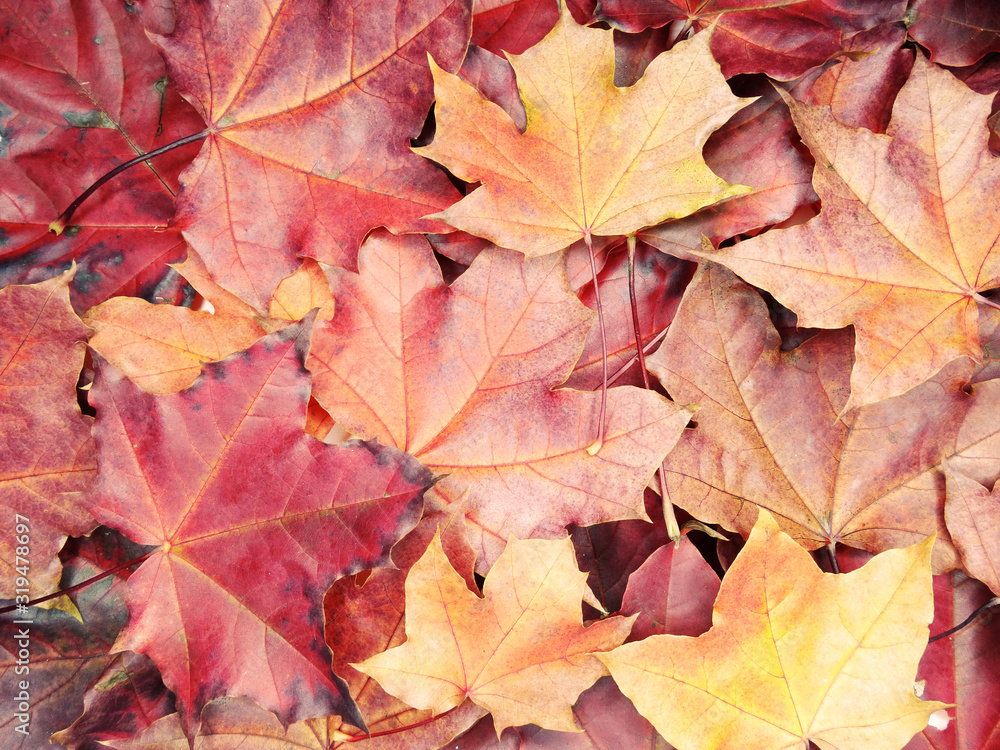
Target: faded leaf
768	433
972	513
520	651
794	655
904	242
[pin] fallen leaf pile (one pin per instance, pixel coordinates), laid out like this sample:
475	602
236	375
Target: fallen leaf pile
304	433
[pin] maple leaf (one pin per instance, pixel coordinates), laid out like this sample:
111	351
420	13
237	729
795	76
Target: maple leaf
161	348
595	159
794	654
904	243
75	103
521	651
310	107
440	371
783	38
45	445
972	513
256	495
364	619
871	480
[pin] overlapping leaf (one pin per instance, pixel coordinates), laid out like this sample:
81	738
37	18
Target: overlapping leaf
956	32
65	653
904	244
520	651
972	513
223	480
768	433
960	668
595	159
363	620
608	719
794	655
783	38
45	445
462	376
311	107
81	91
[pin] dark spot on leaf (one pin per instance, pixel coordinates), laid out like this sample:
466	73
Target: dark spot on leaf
95	118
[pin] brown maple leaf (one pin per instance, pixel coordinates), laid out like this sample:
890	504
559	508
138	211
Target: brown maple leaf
904	243
794	655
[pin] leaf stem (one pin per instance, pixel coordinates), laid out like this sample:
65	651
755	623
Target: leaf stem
669	517
832	549
596	445
968	620
397	730
82	584
60	223
646	350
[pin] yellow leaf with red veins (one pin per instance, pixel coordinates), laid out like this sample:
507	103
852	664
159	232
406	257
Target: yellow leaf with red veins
521	651
794	655
595	159
906	238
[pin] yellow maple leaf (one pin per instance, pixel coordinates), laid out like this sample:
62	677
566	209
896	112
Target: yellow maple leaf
794	655
521	651
595	159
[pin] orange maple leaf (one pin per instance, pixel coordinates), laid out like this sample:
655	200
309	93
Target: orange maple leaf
794	654
904	243
595	159
521	651
462	377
